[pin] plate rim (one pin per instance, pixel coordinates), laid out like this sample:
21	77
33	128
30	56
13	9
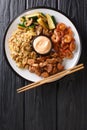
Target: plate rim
39	7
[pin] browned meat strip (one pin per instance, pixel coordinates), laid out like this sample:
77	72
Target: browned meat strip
31	61
44	74
42	64
31	69
48	68
60	67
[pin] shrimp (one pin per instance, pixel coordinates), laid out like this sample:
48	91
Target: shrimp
68	54
69	31
61	26
55	38
60	34
72	46
67	38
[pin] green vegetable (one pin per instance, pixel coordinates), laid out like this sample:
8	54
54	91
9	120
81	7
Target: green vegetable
33	15
22	19
34	18
43	16
53	19
50	21
21	26
31	26
46	21
42	23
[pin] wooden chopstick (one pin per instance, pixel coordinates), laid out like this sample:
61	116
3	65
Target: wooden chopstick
51	78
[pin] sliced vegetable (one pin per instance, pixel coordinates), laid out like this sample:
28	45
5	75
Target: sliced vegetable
43	16
33	15
50	21
31	26
28	22
34	18
31	20
22	19
21	26
53	20
42	23
36	15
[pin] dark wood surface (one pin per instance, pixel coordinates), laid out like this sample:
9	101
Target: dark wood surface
61	105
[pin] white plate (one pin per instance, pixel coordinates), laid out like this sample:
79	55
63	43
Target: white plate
60	17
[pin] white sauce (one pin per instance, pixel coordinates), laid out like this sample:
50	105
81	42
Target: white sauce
42	44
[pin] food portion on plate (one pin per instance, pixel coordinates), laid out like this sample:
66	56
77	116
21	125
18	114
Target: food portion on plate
40	44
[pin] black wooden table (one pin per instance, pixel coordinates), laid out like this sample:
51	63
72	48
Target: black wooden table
61	105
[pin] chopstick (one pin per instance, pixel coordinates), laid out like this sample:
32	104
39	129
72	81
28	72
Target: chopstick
51	78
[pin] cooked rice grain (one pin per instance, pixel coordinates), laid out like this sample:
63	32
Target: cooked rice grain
21	48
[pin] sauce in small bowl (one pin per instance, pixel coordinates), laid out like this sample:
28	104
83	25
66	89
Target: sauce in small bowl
42	44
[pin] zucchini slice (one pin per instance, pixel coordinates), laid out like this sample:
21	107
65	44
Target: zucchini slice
31	26
22	19
21	26
37	14
42	23
43	16
50	21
